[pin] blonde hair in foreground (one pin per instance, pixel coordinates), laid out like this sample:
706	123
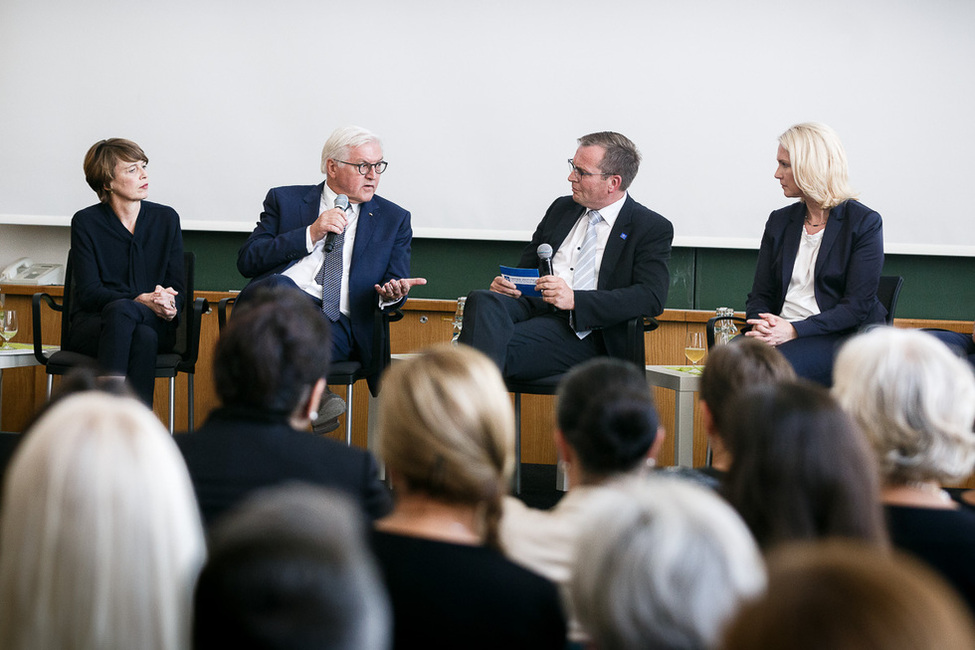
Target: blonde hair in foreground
447	429
100	535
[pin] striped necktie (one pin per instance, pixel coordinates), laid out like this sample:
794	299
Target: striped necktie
330	277
584	276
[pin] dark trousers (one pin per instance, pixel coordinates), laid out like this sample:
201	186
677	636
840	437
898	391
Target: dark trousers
125	338
343	342
524	336
962	344
812	356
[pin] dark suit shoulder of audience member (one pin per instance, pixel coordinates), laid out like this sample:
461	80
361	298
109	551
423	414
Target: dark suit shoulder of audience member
269	369
463	596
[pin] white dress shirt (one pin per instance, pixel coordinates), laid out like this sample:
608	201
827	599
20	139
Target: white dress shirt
305	270
564	260
800	299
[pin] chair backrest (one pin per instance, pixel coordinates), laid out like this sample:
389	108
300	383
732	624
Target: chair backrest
737	320
67	299
888	291
184	328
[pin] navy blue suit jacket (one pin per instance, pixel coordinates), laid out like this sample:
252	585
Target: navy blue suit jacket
633	275
381	251
236	452
847	272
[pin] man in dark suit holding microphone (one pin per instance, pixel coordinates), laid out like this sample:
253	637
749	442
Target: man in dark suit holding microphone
609	265
347	248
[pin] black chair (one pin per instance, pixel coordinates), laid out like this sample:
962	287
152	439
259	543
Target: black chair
182	359
348	372
635	352
737	320
888	292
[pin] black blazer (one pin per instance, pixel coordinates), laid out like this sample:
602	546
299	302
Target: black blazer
633	274
851	257
236	452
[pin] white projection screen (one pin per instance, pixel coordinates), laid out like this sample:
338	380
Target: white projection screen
479	105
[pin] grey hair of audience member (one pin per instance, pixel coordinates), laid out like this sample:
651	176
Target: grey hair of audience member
607	415
101	536
665	564
289	569
844	595
343	140
914	400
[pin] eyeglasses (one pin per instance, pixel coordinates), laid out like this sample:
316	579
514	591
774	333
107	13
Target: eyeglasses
364	168
582	173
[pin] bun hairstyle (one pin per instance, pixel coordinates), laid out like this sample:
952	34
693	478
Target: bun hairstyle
447	429
607	415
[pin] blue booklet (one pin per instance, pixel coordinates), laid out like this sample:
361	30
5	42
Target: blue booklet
524	279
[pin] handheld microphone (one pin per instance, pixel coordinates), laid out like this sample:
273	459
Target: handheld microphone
544	259
341	201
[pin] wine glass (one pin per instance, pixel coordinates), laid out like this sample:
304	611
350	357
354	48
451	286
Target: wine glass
8	327
694	347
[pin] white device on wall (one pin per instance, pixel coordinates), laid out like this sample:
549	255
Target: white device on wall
26	271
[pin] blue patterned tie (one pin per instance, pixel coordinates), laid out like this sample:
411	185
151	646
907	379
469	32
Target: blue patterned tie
584	276
330	277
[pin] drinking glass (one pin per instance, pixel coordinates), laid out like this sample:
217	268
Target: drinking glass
8	327
694	347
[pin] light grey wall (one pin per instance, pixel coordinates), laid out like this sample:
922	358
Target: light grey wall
479	104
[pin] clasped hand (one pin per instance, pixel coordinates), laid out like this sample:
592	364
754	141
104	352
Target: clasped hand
162	302
771	329
553	289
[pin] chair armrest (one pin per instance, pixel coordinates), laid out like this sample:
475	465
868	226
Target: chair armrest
200	306
714	319
222	311
636	349
36	324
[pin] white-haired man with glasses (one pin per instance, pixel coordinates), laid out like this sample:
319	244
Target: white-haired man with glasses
609	266
339	242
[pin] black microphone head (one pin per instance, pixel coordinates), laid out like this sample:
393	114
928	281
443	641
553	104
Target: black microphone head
342	201
544	252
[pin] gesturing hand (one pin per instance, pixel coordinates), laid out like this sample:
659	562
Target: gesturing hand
396	290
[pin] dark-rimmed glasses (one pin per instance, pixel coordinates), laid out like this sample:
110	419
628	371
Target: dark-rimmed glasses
363	168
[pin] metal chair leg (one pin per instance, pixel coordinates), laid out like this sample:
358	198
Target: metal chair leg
190	394
348	414
517	443
172	404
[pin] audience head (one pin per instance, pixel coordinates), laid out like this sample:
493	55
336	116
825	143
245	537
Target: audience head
289	569
343	140
844	595
802	469
448	429
664	564
621	157
272	353
746	363
818	163
100	532
607	415
914	400
101	159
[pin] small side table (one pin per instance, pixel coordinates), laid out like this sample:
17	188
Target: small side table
684	382
21	356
